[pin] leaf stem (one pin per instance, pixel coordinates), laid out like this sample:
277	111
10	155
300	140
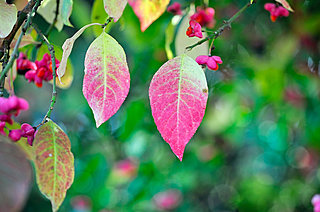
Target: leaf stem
14	54
219	31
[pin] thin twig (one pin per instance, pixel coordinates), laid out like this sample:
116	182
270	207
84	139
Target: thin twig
14	54
217	33
53	61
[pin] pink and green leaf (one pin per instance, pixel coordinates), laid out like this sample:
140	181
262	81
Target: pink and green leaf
54	162
148	10
178	96
115	8
106	81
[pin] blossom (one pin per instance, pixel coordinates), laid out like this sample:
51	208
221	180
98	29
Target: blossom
167	200
276	11
316	203
28	131
175	8
194	29
6	118
205	17
24	65
15	135
42	72
2	125
13	105
212	62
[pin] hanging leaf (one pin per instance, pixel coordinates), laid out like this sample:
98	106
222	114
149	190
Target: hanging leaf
285	4
148	10
107	79
54	163
115	8
65	10
8	17
67	48
15	176
178	96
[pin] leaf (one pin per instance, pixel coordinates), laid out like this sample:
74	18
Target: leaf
67	78
65	10
20	4
148	10
8	17
178	96
47	10
54	163
15	176
106	81
67	48
115	8
285	4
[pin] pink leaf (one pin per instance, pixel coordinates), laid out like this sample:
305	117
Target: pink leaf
178	96
107	79
115	8
148	10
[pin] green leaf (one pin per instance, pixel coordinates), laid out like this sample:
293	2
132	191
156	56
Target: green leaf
65	10
54	163
8	17
15	176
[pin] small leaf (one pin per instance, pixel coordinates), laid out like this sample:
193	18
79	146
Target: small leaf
67	48
107	79
251	1
285	4
8	17
54	163
148	10
65	10
115	8
47	10
15	176
178	96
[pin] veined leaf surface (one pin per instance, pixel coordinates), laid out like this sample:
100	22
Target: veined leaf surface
54	163
148	10
107	79
178	96
115	8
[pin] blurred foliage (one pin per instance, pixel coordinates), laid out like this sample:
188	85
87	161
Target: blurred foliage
257	148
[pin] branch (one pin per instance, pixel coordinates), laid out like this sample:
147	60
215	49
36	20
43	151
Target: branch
22	15
226	25
53	61
16	47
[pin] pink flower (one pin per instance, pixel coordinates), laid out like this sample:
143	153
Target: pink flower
205	17
167	200
194	29
6	118
126	168
2	125
24	65
28	131
175	8
276	11
316	203
15	135
212	62
13	105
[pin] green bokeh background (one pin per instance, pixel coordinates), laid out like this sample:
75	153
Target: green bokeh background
257	148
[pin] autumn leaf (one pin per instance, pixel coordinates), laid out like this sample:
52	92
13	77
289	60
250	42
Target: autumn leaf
148	10
114	8
178	96
54	162
107	79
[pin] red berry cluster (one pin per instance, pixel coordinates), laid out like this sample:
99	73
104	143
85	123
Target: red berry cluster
37	71
12	106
